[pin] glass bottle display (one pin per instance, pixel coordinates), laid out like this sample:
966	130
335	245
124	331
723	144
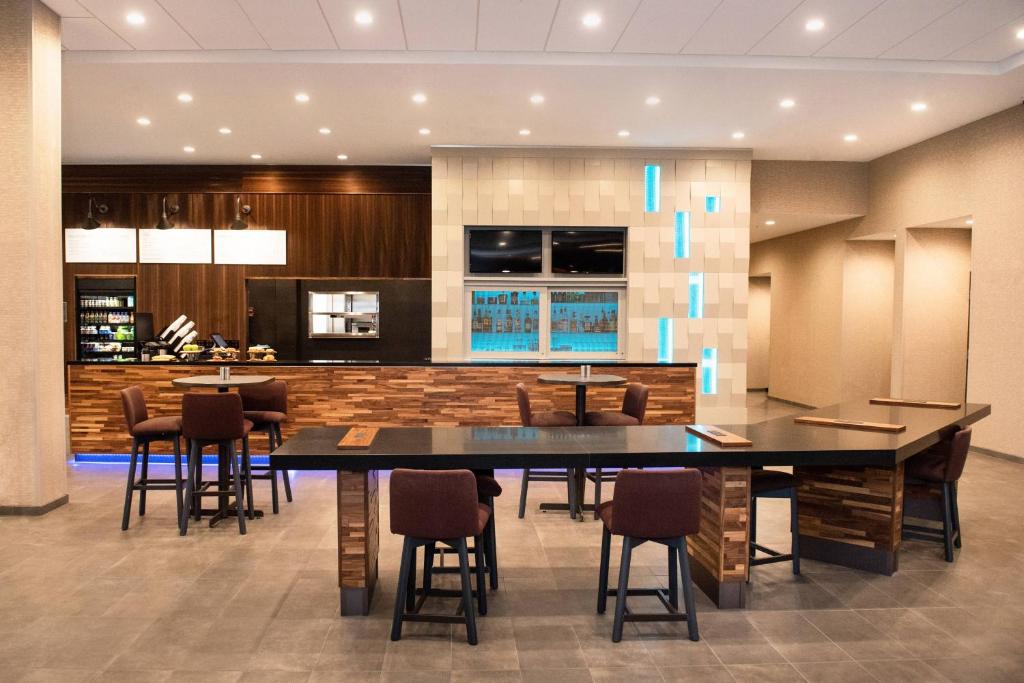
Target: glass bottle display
584	322
505	321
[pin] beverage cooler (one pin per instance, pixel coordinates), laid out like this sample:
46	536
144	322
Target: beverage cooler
105	316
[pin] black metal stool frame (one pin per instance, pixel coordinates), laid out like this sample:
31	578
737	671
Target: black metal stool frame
794	527
146	483
490	541
274	438
547	475
949	534
196	488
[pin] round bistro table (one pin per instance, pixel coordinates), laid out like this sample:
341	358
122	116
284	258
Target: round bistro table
222	385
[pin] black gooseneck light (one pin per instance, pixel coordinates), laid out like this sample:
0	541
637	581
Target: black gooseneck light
240	210
91	222
165	223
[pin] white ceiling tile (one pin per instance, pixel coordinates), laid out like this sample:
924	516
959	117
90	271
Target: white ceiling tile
664	26
439	24
568	34
956	29
89	34
385	33
791	38
67	8
737	25
291	25
514	26
995	46
885	26
160	32
216	25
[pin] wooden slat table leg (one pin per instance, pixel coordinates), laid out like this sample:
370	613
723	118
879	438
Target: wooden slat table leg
358	540
719	552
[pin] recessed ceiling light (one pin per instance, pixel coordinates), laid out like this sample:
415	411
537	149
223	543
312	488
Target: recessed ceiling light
188	149
591	20
301	97
524	131
851	137
325	131
653	100
364	17
143	121
424	131
1020	34
814	24
769	222
255	156
739	135
537	98
135	18
787	103
918	106
623	133
343	157
184	97
224	130
969	221
419	98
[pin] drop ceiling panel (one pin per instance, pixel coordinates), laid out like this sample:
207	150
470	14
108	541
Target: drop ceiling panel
67	8
515	26
385	33
439	24
737	25
956	29
791	38
568	34
159	32
996	46
89	34
216	25
885	26
291	25
664	26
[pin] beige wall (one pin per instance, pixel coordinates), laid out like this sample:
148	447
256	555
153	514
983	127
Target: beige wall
809	187
867	319
759	311
32	450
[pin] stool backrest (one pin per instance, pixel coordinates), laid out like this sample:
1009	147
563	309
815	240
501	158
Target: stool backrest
634	402
523	398
657	503
134	403
953	448
270	396
212	417
434	504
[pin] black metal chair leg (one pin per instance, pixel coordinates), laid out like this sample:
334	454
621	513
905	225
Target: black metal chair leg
247	471
753	526
284	473
522	493
597	492
428	567
236	476
947	521
178	482
481	585
602	581
957	540
691	609
144	479
620	595
130	488
197	507
794	524
274	504
467	592
403	583
194	457
673	578
410	583
491	545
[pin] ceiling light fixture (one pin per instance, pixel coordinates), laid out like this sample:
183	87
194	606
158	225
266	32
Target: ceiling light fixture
188	149
343	157
419	98
653	100
524	131
814	24
166	211
537	98
240	210
623	133
918	106
1020	34
787	103
851	137
363	17
769	222
91	222
324	131
591	19
969	221
739	135
424	131
143	121
184	97
256	156
224	130
135	18
301	97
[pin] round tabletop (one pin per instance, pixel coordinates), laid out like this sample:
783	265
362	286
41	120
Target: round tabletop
215	381
578	380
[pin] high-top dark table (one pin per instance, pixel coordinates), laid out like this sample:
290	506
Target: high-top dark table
851	492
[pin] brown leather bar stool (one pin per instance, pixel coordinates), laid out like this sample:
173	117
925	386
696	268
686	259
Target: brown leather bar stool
215	420
544	418
144	430
660	507
939	466
634	407
431	507
266	406
774	484
487	488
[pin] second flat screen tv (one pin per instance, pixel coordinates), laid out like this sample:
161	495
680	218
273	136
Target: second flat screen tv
588	252
505	251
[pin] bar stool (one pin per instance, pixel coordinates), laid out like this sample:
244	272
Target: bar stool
215	420
427	508
487	488
144	430
774	484
266	406
544	418
661	507
942	465
634	407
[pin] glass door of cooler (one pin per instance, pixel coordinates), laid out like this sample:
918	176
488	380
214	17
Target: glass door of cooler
505	322
105	317
585	323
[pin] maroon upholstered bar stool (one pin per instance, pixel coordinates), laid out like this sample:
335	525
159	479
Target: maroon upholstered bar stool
215	420
266	406
660	507
144	430
488	489
940	465
634	407
431	507
544	418
774	484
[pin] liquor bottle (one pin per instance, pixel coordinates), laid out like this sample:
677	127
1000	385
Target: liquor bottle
604	321
487	321
528	324
572	322
518	327
503	298
509	325
515	298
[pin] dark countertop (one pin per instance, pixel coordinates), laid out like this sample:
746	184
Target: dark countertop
405	363
775	442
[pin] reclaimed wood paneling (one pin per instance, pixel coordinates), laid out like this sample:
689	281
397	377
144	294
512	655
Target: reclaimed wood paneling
720	547
358	538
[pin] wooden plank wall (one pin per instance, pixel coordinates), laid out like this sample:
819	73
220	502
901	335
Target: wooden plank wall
860	506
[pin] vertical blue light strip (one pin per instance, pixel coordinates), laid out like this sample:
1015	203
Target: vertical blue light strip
682	234
664	340
712	204
709	371
652	188
696	291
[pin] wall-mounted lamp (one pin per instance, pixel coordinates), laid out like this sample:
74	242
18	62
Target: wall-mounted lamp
164	223
91	222
240	210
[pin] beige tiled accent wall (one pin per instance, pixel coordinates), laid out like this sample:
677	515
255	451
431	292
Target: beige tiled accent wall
605	187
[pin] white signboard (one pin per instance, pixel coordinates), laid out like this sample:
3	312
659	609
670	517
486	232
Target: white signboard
176	245
102	245
251	247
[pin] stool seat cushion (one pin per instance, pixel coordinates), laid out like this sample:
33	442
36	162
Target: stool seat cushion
262	417
552	418
654	504
155	426
762	481
604	511
487	487
609	418
247	426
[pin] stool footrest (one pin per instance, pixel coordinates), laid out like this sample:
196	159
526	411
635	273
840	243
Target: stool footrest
765	550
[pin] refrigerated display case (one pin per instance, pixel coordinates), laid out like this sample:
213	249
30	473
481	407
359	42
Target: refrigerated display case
105	319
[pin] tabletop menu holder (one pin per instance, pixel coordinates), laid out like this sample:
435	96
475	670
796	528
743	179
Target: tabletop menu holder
358	437
719	437
850	424
947	405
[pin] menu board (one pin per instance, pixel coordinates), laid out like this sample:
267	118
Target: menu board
177	245
102	245
251	247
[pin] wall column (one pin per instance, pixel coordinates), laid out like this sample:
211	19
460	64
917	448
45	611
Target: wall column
33	470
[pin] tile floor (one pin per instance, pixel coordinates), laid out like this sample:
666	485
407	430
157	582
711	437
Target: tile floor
82	601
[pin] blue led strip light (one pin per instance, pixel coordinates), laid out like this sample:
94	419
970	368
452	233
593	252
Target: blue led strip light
696	296
712	204
709	371
154	458
682	234
652	188
664	340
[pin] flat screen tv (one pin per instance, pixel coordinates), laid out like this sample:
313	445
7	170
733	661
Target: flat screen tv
505	251
588	252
